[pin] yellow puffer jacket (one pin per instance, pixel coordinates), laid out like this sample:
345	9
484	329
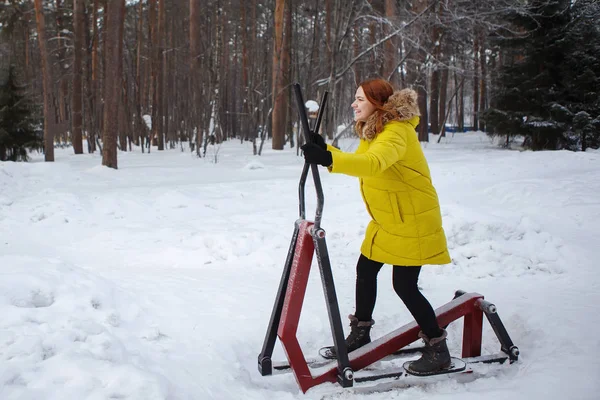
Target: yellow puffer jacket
395	182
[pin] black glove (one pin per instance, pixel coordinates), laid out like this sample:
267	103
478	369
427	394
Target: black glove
318	140
313	154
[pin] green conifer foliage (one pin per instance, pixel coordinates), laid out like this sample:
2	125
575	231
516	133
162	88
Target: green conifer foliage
549	74
20	124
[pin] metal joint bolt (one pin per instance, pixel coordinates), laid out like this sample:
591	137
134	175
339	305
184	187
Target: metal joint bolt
515	351
348	374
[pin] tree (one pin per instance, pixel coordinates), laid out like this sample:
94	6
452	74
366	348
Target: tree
417	76
533	92
46	79
159	123
93	117
581	73
114	63
195	54
76	99
280	98
19	121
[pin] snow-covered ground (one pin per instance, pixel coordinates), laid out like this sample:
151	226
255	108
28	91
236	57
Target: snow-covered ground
156	281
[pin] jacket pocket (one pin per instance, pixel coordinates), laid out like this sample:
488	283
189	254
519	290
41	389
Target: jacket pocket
396	209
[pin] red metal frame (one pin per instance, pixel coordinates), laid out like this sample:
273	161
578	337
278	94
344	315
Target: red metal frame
292	306
467	305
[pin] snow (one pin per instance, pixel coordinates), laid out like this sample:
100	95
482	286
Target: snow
148	120
157	280
340	128
312	106
542	124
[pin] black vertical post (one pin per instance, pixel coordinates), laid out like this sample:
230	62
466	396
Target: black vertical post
345	374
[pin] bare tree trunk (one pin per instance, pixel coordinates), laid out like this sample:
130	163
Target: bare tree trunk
444	50
46	78
215	92
77	104
102	70
483	86
460	103
286	68
63	89
443	94
358	77
195	53
434	92
419	75
169	74
328	48
153	56
139	133
391	46
279	102
123	128
123	107
94	98
220	134
257	74
434	97
113	81
476	83
160	129
245	131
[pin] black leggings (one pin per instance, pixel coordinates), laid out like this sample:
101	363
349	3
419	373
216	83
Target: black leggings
405	284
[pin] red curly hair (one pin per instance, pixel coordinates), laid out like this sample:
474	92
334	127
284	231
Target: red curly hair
377	91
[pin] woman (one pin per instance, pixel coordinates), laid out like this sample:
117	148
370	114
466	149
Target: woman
406	223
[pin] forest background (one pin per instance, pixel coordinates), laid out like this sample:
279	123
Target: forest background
118	75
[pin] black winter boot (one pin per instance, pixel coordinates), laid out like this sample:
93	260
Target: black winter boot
358	337
359	333
435	355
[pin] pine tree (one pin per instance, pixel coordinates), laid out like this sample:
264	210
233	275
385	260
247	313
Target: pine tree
536	95
19	121
581	73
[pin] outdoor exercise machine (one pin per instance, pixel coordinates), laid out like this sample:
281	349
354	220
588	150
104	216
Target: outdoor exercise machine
308	239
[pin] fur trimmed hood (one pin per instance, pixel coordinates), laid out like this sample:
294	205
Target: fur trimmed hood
402	105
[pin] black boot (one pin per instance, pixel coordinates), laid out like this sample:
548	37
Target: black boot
358	337
359	333
435	355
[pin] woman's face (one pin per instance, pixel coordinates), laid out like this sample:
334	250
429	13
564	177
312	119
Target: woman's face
362	107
